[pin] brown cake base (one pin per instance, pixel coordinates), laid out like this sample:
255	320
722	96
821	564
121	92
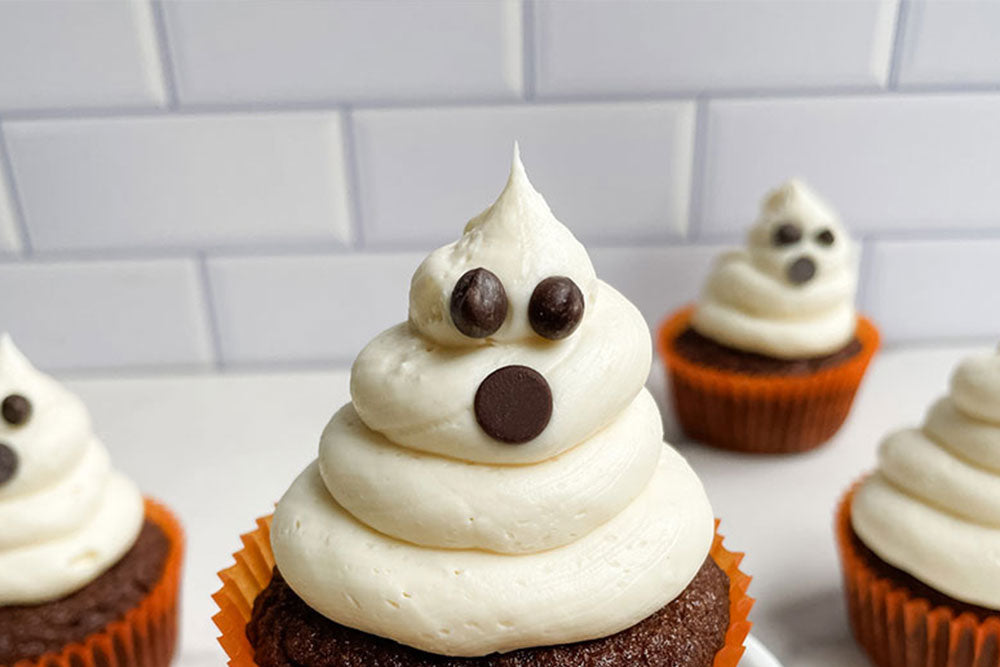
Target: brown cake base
899	620
688	632
704	351
899	579
29	631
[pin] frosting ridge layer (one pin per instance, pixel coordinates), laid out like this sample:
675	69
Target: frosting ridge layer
933	507
65	515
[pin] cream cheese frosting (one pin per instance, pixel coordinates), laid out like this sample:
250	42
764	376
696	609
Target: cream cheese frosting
933	507
66	515
417	524
790	293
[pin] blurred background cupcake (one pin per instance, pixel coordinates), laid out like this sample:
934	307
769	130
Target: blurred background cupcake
920	537
771	356
89	571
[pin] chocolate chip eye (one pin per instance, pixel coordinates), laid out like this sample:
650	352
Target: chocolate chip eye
8	463
825	237
478	303
16	409
786	234
556	308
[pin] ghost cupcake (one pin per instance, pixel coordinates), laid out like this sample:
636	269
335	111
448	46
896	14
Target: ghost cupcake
770	357
498	491
89	571
920	537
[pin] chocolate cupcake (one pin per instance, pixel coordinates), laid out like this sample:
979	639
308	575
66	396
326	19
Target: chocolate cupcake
771	356
498	491
919	537
89	571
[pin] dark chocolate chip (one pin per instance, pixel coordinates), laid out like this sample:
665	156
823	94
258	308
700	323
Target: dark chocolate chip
801	270
514	404
16	409
8	463
556	308
478	303
825	237
786	234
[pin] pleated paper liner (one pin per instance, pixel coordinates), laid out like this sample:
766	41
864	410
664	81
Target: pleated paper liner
147	634
761	413
250	575
896	627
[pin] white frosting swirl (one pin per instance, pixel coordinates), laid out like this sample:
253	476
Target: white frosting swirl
65	516
416	525
933	507
749	301
441	502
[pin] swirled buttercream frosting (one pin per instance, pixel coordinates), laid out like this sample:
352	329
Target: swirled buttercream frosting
790	293
932	508
499	479
65	515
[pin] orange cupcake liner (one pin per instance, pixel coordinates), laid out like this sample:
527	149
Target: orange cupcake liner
147	634
251	573
761	413
896	627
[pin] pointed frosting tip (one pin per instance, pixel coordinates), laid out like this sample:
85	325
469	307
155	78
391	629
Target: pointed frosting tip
7	346
10	355
795	193
517	172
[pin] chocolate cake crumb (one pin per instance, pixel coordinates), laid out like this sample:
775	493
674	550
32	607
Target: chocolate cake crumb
30	631
704	351
688	632
918	589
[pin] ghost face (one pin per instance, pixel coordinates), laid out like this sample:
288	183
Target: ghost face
514	403
797	240
43	428
15	411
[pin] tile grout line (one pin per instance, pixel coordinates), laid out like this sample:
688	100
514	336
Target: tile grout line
306	106
352	178
14	192
696	197
163	48
211	313
421	246
865	271
898	43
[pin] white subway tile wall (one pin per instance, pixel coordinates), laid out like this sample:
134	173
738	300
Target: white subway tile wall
78	53
951	43
658	280
306	308
613	171
191	184
935	288
181	181
607	46
107	314
349	50
889	164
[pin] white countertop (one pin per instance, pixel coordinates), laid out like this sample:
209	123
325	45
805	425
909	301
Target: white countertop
220	449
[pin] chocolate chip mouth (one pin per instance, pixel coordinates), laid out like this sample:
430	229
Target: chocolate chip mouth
801	270
8	463
514	404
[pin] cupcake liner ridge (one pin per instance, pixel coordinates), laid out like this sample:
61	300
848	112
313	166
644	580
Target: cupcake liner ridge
243	581
761	413
897	627
147	635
